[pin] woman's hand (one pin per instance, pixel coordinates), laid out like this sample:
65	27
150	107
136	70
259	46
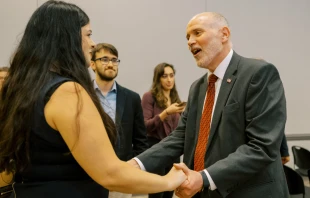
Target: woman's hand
175	108
172	109
175	178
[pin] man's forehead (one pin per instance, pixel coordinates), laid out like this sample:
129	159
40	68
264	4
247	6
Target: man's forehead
105	52
196	24
200	19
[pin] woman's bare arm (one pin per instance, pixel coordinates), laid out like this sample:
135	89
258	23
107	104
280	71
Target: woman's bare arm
92	148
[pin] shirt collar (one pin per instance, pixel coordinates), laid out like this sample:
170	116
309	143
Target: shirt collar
96	87
222	67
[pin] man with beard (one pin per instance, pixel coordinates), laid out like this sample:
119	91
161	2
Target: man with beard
231	130
121	104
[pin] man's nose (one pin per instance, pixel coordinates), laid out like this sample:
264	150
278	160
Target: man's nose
110	64
191	41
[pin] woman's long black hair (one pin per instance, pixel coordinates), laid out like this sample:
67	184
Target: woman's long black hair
52	41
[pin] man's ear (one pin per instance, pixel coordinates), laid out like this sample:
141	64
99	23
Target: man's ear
225	34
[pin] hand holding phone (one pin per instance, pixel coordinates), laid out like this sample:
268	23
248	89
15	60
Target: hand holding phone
182	104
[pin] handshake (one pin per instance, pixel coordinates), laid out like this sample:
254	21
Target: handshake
184	181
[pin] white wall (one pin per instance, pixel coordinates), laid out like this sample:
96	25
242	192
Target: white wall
148	32
277	31
14	16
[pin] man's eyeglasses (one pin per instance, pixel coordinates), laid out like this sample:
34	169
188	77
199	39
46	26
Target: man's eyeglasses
105	61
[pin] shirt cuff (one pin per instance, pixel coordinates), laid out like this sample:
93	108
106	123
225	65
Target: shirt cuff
212	184
140	164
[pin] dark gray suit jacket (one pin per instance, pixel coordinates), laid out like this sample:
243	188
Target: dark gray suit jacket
247	127
129	121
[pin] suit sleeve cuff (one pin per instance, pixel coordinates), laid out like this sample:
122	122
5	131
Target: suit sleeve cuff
140	163
207	178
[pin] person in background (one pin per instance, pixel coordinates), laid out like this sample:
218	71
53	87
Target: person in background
3	73
233	124
285	156
161	109
121	104
5	178
55	136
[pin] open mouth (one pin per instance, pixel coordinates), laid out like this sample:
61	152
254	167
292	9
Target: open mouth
196	51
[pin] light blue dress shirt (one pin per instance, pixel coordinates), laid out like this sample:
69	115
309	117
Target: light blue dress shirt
108	102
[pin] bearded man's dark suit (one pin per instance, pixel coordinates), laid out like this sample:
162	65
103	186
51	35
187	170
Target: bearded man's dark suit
248	122
129	121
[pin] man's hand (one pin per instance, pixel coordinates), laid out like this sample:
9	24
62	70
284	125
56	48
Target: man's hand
133	163
192	185
285	159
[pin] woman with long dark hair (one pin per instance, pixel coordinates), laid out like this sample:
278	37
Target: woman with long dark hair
161	109
55	137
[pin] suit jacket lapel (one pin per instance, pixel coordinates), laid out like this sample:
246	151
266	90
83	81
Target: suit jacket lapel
120	105
223	94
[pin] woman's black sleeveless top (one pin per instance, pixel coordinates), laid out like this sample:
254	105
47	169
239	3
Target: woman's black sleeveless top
53	171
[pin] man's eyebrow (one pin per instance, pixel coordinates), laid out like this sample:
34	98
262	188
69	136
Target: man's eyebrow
109	57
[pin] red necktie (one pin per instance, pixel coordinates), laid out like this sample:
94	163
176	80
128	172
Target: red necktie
205	124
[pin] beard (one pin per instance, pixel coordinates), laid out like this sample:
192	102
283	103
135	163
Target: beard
105	77
212	50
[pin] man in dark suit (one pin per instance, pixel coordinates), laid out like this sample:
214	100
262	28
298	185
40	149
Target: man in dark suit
242	122
120	103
